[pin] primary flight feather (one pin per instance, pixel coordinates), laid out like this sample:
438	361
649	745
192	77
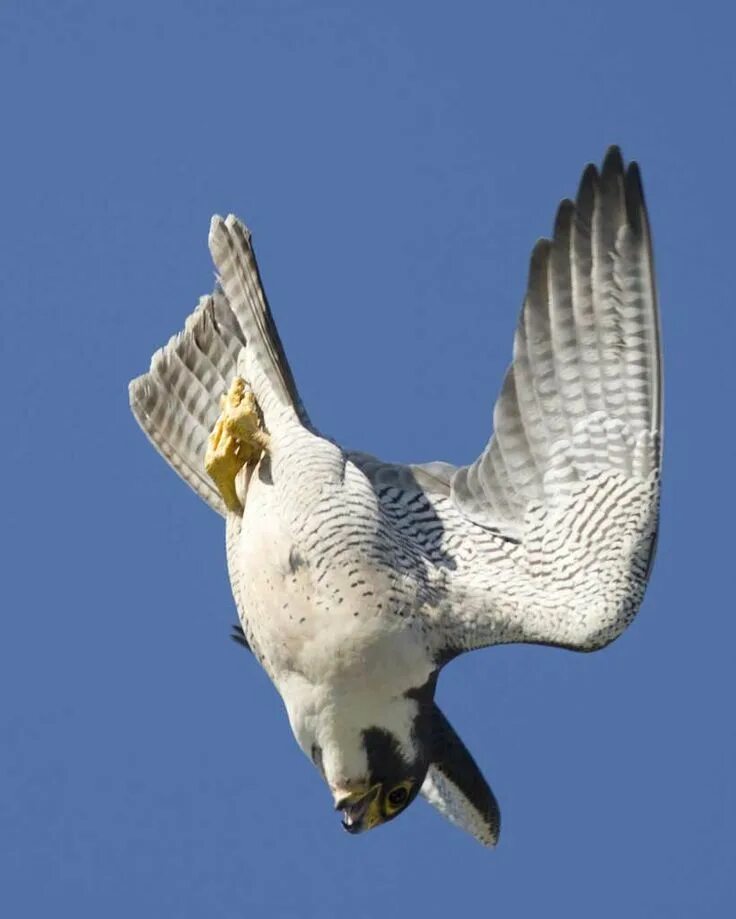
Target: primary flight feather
356	580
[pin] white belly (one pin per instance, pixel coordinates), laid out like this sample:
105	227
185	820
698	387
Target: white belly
295	625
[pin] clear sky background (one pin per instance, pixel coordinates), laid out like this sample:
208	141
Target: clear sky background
396	162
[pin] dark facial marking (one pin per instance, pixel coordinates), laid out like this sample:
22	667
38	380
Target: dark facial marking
424	718
387	766
385	762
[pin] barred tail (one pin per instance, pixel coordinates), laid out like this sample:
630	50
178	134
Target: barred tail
177	401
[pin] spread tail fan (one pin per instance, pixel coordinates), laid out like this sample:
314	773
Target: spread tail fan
178	401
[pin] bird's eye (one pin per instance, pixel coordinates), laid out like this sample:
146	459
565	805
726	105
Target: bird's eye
397	797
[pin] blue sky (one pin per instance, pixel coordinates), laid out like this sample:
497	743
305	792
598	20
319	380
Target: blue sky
396	162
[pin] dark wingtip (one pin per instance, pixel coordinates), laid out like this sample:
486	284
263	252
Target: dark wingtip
635	202
613	161
541	247
563	219
493	819
585	198
537	280
453	760
612	185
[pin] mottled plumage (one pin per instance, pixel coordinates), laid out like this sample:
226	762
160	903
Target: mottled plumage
356	580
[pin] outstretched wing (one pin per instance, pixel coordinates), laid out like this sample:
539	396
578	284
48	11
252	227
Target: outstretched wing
457	788
587	347
548	536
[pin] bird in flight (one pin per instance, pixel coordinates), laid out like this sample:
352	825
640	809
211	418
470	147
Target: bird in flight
356	580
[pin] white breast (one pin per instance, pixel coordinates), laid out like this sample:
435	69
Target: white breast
293	621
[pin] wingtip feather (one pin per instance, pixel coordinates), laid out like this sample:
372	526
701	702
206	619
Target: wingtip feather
563	219
636	207
613	161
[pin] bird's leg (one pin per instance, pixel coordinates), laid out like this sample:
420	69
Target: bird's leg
236	439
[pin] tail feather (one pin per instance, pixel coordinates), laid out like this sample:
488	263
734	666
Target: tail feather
177	402
232	251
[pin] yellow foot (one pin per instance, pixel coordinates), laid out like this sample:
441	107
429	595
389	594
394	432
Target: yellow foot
236	439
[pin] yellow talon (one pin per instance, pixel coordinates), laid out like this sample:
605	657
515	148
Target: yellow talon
236	439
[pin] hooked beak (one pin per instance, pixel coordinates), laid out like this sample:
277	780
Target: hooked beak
360	810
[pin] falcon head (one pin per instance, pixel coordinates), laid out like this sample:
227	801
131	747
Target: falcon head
375	762
378	746
391	783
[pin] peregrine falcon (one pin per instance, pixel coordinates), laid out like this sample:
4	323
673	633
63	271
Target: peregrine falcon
356	580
